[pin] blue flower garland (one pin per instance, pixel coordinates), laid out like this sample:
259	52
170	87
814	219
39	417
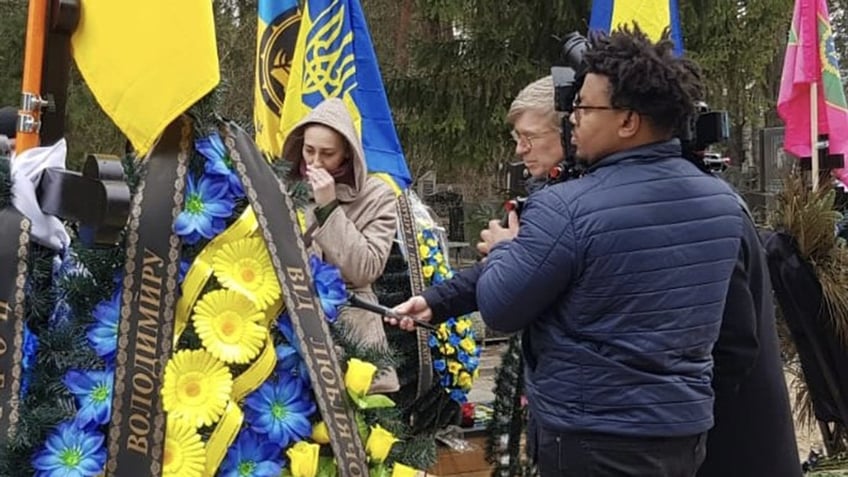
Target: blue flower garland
454	344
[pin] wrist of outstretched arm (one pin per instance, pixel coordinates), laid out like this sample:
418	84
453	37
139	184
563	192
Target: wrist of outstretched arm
323	212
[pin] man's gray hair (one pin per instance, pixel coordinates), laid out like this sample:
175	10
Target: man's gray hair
538	97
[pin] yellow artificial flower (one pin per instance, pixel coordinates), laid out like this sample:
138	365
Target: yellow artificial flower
424	251
468	344
379	443
462	325
428	271
304	459
245	266
433	243
185	455
438	257
197	387
229	326
454	367
320	433
301	220
447	349
359	376
400	470
464	380
442	332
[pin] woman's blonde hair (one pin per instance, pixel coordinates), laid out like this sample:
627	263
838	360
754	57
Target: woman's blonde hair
538	97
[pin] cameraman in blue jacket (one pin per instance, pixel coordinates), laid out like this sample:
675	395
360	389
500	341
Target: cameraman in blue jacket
619	278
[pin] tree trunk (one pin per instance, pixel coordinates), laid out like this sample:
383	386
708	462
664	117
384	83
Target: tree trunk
402	35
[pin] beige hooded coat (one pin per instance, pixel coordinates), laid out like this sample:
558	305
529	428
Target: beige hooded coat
357	236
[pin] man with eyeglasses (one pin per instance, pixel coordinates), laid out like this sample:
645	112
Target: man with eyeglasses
536	133
619	279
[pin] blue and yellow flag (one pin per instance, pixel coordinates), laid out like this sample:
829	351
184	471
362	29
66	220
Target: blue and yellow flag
653	16
275	41
334	57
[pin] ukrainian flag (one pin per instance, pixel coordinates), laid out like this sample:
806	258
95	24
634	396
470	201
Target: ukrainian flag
653	16
276	36
334	57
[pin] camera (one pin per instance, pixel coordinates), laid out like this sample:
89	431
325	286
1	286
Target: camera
704	128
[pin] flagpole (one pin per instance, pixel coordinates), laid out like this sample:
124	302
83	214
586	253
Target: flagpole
29	122
814	133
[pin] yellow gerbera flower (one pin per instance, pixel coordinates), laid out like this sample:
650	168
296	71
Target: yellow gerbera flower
228	325
245	266
197	387
184	454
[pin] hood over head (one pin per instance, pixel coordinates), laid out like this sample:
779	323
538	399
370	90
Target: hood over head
333	114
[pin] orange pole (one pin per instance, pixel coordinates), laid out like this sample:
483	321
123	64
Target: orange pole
29	116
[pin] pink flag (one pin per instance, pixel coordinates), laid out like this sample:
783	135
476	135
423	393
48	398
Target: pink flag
811	58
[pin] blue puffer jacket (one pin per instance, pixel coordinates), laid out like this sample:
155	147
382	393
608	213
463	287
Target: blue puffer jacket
619	280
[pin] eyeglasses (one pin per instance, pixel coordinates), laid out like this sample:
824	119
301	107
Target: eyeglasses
526	140
577	109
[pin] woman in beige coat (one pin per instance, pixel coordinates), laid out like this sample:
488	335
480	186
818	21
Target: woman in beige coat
353	220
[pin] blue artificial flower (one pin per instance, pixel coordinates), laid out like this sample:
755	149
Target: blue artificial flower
71	452
432	341
181	273
459	396
329	286
440	365
103	333
290	362
207	205
454	339
28	361
92	392
280	409
289	355
252	456
470	363
284	324
218	162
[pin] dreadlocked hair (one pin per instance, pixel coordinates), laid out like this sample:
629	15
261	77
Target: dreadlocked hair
646	77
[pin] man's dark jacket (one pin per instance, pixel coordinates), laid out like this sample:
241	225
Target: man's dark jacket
754	432
620	278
